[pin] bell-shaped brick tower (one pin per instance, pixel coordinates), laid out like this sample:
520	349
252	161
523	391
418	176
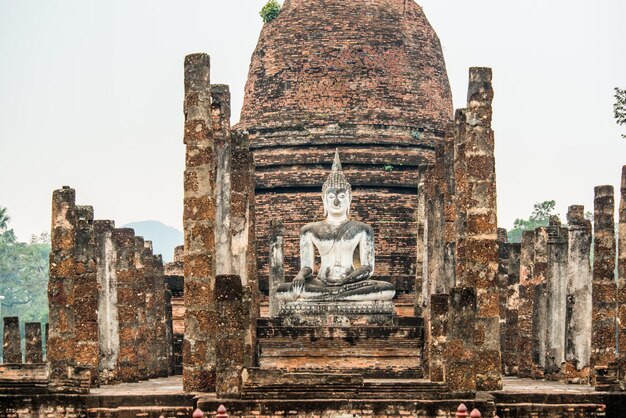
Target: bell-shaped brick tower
367	77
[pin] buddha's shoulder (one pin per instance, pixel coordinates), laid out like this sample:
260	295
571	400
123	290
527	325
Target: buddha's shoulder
313	227
360	226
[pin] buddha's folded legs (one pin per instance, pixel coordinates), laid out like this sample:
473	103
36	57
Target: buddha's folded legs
366	290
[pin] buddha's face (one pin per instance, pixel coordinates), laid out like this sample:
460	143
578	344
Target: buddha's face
337	201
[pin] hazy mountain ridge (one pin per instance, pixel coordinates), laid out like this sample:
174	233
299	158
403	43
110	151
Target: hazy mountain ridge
164	237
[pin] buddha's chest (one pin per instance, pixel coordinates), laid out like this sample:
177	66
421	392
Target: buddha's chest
336	249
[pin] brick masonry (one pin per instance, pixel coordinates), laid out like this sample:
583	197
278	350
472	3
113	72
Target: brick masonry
382	99
604	286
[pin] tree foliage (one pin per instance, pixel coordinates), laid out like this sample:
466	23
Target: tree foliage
539	217
619	108
23	274
270	11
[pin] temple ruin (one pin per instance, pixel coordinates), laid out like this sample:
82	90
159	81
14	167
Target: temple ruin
251	313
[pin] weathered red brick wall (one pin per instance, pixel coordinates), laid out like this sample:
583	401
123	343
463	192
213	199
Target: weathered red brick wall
390	214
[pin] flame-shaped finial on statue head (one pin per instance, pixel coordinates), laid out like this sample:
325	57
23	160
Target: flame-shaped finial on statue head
337	181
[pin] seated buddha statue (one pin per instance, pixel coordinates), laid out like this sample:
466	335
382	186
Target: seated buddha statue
346	249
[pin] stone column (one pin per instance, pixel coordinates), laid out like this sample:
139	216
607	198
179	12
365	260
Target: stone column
540	302
220	120
163	332
152	343
435	218
510	348
621	277
33	345
526	302
277	268
232	307
421	291
139	289
199	224
85	304
107	299
477	247
439	312
169	329
578	326
243	235
604	285
556	284
127	302
12	345
449	207
62	342
503	278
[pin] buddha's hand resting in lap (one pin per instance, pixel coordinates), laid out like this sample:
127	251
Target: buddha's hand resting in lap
297	285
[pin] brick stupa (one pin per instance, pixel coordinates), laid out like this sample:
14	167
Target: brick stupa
368	78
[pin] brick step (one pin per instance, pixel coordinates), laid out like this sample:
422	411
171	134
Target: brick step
265	384
146	411
370	350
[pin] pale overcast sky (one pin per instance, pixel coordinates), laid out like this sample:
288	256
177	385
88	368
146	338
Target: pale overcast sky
91	96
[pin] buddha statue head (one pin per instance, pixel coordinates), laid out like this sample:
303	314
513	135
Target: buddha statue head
336	191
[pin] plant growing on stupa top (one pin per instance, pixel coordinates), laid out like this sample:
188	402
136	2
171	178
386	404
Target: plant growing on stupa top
270	11
416	134
388	168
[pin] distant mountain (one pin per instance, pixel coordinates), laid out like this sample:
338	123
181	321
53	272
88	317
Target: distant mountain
164	238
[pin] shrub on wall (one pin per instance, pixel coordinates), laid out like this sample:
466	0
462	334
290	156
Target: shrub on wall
270	11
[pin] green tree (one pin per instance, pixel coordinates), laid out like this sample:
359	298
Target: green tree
539	217
23	274
619	108
4	219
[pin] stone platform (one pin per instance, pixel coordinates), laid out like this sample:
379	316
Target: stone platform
371	351
520	398
337	314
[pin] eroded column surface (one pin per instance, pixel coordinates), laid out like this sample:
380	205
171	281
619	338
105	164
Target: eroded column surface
220	121
477	247
421	291
556	286
435	219
85	305
233	308
33	347
277	268
604	286
107	299
540	302
12	347
449	207
243	235
199	227
151	341
127	299
439	311
579	278
61	343
163	332
621	267
510	353
503	274
526	302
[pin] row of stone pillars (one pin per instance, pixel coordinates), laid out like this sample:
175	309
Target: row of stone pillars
221	297
108	303
12	343
457	289
561	311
